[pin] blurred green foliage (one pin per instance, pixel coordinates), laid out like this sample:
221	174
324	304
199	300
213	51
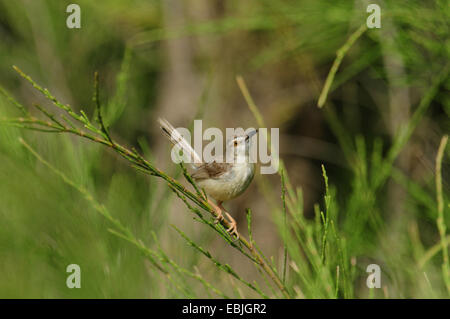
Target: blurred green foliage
387	110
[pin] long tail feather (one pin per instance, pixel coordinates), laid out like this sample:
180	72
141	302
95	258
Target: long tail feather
177	139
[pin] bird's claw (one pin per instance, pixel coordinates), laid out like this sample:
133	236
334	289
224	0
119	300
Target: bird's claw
219	217
218	210
232	230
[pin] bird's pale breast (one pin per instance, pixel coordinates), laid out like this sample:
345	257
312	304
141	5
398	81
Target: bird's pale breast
229	184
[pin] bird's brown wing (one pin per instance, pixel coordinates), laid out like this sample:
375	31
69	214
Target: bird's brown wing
210	170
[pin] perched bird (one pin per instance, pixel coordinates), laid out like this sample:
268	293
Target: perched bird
219	179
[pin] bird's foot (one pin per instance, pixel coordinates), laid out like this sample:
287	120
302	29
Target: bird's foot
219	217
218	210
233	226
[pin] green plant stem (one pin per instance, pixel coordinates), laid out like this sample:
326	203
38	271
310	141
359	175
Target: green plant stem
283	199
440	209
337	62
431	252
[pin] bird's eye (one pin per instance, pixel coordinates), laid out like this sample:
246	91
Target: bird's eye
235	143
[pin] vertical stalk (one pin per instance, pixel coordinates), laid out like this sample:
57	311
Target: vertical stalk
440	209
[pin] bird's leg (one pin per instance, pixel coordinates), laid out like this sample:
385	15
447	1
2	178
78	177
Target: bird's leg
218	210
233	228
233	225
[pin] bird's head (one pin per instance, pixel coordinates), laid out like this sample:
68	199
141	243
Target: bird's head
240	144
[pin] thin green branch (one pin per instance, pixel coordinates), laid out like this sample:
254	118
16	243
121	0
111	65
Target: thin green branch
251	104
440	221
96	100
325	216
431	252
49	96
10	99
283	199
225	267
337	62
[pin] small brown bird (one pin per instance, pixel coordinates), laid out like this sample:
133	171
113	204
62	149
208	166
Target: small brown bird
221	181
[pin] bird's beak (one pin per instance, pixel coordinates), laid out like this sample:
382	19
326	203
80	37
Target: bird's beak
252	133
